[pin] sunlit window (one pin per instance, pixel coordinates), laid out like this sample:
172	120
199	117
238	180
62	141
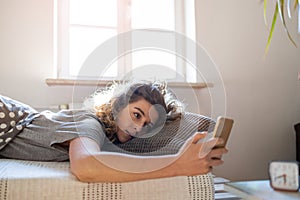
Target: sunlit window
83	25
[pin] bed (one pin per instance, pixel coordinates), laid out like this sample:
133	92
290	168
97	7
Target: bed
20	179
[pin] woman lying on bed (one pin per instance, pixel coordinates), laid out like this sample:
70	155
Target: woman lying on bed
86	137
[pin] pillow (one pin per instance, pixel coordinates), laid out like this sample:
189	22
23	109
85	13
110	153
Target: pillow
170	138
14	116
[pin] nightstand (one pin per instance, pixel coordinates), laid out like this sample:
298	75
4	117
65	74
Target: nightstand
258	190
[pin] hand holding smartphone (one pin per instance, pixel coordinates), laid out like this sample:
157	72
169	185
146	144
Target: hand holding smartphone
222	129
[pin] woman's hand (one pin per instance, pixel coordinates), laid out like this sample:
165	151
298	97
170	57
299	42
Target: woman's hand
199	157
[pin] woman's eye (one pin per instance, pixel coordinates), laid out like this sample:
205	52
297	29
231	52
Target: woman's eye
137	115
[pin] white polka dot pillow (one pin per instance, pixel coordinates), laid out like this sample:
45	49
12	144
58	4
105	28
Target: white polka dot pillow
13	118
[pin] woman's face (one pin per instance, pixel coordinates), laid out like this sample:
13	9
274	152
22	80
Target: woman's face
135	119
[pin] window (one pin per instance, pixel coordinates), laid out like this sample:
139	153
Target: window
83	25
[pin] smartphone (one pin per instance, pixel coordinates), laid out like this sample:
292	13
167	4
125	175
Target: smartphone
222	129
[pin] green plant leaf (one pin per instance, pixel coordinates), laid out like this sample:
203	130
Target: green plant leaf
288	3
281	14
272	28
296	4
279	9
265	11
298	16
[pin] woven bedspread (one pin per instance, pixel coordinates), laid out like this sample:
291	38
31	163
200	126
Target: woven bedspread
52	180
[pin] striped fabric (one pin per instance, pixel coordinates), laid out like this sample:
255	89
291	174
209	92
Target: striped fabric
52	180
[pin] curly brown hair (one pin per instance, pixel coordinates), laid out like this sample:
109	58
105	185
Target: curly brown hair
122	94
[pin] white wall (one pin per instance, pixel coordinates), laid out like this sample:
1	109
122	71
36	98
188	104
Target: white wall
263	95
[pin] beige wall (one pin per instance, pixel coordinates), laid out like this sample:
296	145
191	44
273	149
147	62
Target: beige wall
263	94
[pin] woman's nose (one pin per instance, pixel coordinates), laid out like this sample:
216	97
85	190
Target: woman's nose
138	128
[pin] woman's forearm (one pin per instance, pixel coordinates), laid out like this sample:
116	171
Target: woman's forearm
93	165
134	164
89	164
94	170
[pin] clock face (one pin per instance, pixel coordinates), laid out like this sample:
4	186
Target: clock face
284	175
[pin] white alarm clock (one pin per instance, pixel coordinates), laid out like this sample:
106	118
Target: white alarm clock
284	175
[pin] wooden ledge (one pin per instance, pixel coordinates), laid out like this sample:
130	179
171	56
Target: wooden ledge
81	82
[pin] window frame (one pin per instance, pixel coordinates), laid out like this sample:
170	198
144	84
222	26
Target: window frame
61	40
